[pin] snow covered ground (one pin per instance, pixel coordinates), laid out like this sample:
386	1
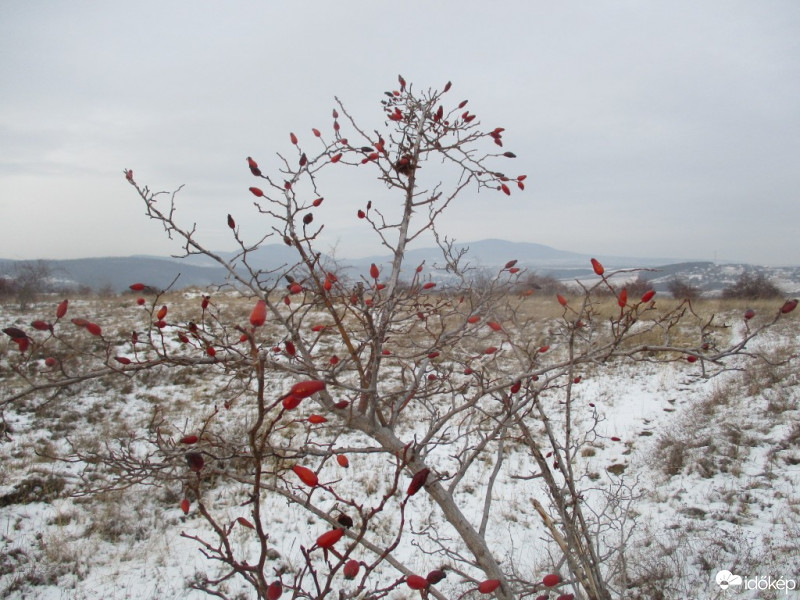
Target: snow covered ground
705	478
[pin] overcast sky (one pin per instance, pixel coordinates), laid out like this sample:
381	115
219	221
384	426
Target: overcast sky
645	128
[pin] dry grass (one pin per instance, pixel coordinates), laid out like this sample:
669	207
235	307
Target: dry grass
713	436
688	447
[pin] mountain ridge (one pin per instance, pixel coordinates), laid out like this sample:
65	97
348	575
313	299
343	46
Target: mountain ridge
117	273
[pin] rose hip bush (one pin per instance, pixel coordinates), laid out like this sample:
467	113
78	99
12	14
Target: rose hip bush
438	380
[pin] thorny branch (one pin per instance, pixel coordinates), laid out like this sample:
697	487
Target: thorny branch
406	380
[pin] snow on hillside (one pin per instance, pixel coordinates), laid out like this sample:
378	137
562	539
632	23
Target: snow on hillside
115	273
708	471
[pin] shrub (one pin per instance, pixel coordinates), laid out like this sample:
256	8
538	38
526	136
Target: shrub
376	410
752	285
682	290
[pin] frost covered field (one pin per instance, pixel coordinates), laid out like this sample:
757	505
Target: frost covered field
688	476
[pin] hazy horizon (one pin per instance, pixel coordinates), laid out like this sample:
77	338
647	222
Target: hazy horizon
645	129
366	255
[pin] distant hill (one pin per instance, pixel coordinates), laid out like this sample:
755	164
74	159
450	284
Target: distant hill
711	278
267	257
497	252
117	273
493	252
